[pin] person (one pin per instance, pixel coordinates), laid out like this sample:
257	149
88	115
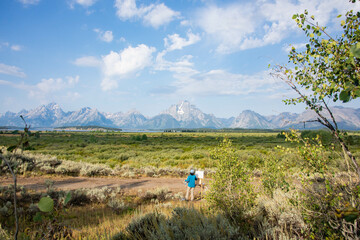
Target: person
190	185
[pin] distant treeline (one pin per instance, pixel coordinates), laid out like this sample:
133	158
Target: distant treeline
223	130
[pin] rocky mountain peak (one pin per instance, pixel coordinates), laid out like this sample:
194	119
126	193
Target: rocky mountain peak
181	115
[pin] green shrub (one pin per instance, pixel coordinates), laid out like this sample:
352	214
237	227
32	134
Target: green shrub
325	136
231	190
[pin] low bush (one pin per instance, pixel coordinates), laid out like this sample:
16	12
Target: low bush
278	217
117	205
68	168
158	194
184	223
91	170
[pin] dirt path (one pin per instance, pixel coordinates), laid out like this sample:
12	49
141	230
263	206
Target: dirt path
70	183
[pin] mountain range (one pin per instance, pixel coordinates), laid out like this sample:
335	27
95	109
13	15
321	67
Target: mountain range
181	115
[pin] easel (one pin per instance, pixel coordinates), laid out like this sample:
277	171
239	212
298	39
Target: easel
200	176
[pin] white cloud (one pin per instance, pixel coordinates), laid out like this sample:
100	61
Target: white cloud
154	15
174	42
11	70
127	9
48	88
88	61
21	85
229	25
13	47
160	15
182	66
120	64
84	3
29	2
106	36
16	48
191	82
53	85
263	22
220	82
298	46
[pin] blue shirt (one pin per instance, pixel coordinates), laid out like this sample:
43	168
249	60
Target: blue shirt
191	180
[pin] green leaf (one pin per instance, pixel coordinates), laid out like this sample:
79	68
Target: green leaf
311	35
46	204
342	23
339	16
294	16
37	217
11	148
355	50
351	217
356	93
345	96
67	198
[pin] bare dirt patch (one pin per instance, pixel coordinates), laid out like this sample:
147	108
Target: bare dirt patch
71	183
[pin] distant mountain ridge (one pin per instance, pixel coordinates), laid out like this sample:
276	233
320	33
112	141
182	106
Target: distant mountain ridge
181	115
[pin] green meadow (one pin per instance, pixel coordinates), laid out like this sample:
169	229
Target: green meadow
181	150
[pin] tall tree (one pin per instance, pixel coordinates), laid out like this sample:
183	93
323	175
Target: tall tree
328	70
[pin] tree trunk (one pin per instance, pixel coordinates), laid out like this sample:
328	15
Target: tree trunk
348	153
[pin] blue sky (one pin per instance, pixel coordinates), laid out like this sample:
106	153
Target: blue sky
120	55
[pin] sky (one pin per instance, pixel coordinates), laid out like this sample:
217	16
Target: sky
121	55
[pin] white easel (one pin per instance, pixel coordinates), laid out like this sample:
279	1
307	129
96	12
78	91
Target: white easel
200	176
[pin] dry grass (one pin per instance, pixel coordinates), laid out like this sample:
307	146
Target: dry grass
97	221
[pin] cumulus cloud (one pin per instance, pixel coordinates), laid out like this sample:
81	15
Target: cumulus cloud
106	36
160	15
174	41
127	9
228	25
88	61
154	15
11	70
117	65
52	85
29	2
243	26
